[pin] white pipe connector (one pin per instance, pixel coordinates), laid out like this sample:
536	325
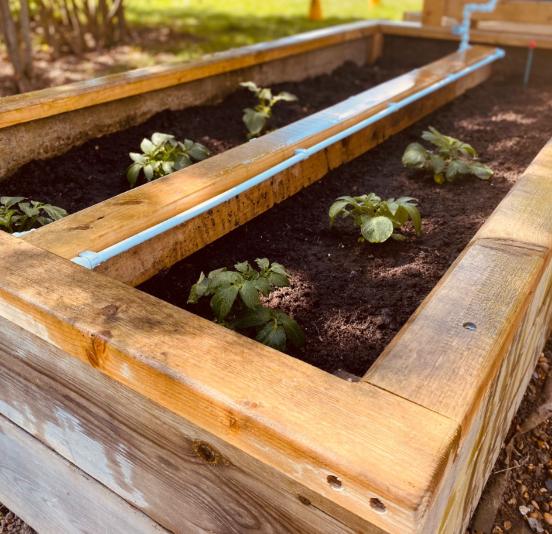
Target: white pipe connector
91	259
463	29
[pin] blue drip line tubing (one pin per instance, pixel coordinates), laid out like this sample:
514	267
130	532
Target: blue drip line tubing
91	259
464	29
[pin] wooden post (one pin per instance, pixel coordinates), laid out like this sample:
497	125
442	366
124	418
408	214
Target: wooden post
433	12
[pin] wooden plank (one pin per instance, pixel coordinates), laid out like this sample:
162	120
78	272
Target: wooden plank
523	12
125	215
55	497
47	102
437	362
503	38
460	494
141	262
433	12
278	410
183	477
56	134
502	284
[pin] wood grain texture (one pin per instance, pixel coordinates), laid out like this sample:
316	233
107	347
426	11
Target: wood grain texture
183	477
55	497
433	12
112	221
523	12
143	261
460	494
278	410
488	37
52	101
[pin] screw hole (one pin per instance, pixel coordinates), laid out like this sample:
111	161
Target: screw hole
304	500
335	483
469	326
378	506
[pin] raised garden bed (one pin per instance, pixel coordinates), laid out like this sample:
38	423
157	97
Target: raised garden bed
203	430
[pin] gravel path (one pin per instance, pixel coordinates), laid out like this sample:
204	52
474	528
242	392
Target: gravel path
9	522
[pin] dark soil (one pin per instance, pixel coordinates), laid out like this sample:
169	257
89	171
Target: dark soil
352	298
95	171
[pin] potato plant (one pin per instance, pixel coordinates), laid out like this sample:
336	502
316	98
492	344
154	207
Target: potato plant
453	159
163	155
236	304
378	219
255	119
19	216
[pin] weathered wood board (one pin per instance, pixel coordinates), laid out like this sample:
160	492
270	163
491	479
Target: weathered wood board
47	491
45	123
183	426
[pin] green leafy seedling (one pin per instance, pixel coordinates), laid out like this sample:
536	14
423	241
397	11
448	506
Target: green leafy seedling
19	216
377	218
453	160
236	304
163	155
255	119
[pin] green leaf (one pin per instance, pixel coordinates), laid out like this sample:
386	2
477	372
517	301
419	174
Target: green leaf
252	86
415	216
249	294
439	178
438	163
452	170
336	209
273	336
254	317
278	280
138	158
54	212
148	172
223	300
26	208
199	290
262	263
182	162
263	285
10	201
463	167
168	167
292	329
147	146
44	220
159	138
225	277
377	229
434	137
242	267
265	94
284	95
481	170
277	268
398	237
254	121
132	173
198	152
415	156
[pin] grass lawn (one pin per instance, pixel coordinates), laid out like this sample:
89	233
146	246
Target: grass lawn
196	27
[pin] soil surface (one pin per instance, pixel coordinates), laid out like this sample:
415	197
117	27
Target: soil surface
10	523
352	298
96	170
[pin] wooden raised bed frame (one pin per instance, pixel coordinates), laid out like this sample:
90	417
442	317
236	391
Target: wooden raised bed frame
113	402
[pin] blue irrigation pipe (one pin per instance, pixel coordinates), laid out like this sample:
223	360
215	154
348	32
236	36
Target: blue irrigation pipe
463	29
91	259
